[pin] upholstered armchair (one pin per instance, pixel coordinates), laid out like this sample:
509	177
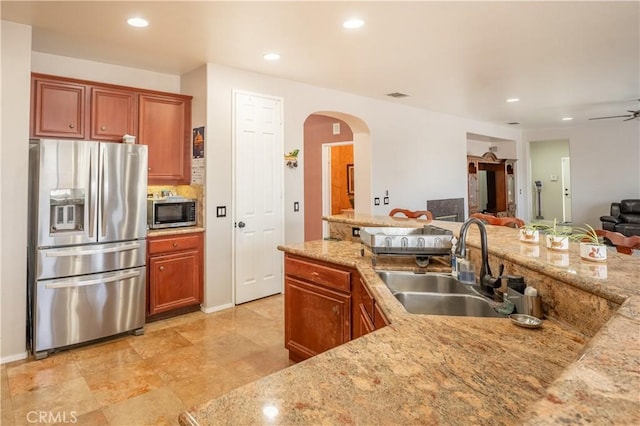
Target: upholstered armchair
624	218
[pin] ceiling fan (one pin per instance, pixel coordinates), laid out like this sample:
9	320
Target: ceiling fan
634	114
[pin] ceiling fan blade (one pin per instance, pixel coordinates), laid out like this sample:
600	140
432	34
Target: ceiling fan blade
612	116
633	117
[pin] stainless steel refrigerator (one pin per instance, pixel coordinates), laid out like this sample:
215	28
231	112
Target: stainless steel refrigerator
87	241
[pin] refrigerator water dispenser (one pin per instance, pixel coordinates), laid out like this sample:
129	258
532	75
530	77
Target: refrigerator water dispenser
66	210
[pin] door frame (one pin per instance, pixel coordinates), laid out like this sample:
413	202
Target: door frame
281	221
563	161
326	181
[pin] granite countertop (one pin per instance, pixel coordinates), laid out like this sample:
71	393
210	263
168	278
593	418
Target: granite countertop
457	370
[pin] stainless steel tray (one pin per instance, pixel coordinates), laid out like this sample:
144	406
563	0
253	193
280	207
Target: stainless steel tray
426	241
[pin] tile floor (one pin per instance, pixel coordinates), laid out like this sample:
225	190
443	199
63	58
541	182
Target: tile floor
148	380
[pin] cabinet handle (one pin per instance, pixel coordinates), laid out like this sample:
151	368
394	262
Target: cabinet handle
149	168
315	274
71	126
336	310
161	268
103	128
175	244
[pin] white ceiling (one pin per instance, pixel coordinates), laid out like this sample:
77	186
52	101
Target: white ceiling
578	59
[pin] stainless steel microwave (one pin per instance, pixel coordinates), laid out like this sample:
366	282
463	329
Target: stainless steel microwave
171	213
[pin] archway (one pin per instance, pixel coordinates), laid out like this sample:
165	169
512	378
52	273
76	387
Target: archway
326	127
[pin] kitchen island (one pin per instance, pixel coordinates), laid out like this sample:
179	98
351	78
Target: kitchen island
425	369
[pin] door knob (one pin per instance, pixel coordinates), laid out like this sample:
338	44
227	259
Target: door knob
241	224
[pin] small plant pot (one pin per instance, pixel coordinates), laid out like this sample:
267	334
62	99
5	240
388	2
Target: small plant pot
529	235
555	242
593	252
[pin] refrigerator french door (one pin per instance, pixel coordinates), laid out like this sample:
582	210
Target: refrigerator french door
87	241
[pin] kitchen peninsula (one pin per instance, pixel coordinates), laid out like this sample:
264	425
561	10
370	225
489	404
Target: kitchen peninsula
580	367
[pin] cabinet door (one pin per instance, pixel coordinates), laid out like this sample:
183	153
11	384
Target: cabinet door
365	324
164	123
58	109
316	319
113	114
174	281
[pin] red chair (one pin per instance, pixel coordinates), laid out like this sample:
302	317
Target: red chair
412	214
513	222
623	244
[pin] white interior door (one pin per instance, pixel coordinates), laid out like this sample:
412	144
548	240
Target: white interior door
258	189
566	189
326	187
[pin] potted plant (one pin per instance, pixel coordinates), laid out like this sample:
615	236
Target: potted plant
530	233
557	238
592	246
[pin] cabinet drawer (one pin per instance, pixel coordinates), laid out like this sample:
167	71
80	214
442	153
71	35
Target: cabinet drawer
319	274
173	243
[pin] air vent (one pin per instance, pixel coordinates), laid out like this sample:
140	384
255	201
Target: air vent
513	123
397	95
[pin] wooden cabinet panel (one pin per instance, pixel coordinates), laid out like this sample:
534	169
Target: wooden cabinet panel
174	243
365	323
379	319
164	125
113	114
319	274
57	109
173	281
316	319
175	272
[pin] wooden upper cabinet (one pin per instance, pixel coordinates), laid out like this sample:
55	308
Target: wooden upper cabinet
113	114
57	109
164	125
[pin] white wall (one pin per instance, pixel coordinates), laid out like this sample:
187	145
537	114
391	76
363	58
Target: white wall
105	73
14	156
605	165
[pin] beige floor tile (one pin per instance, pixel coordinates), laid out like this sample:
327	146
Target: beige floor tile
101	348
33	375
109	358
71	398
158	407
206	329
4	382
227	347
6	411
124	381
271	307
264	334
216	381
92	418
158	342
269	361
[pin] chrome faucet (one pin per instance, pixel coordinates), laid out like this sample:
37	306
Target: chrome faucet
487	282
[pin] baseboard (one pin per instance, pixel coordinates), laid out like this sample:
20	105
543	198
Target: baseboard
216	308
15	357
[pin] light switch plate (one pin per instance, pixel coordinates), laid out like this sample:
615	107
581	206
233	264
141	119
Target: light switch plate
221	211
376	201
296	206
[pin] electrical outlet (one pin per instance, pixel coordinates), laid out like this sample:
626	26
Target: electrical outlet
376	201
296	206
355	231
221	211
385	200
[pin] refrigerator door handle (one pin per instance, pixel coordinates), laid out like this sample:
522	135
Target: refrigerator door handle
76	252
92	207
103	216
72	284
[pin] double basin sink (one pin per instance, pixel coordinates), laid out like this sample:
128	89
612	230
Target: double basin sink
437	294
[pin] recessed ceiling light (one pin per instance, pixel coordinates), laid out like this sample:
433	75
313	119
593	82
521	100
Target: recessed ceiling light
138	22
271	56
512	100
352	24
567	118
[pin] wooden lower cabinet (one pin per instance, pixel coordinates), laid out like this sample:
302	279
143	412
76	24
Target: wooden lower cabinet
316	319
175	273
326	305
